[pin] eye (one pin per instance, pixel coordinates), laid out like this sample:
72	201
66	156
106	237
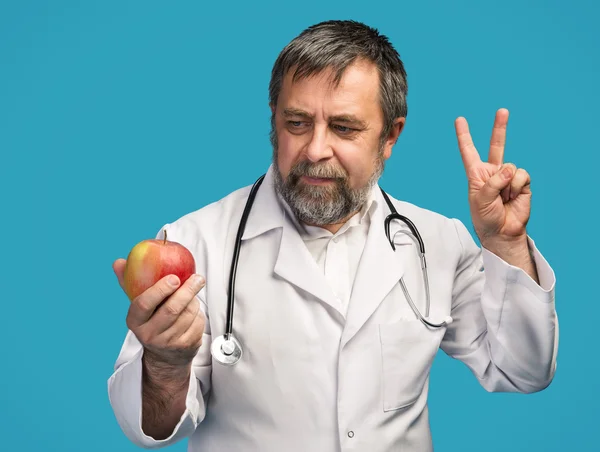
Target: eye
342	129
298	127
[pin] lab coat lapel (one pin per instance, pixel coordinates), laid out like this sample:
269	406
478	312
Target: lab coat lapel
294	262
379	270
296	265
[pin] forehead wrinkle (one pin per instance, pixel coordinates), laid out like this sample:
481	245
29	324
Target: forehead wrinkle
344	100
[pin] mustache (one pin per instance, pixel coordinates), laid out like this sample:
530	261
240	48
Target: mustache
308	169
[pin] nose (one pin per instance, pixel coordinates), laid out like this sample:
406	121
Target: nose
318	147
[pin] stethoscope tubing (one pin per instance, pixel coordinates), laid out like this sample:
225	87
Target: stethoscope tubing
227	350
236	254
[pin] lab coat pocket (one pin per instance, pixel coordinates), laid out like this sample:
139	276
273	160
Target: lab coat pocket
407	352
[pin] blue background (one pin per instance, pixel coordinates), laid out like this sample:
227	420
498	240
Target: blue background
119	116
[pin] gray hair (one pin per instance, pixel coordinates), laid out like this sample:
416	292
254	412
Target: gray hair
336	44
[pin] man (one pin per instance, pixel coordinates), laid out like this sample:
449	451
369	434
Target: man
327	312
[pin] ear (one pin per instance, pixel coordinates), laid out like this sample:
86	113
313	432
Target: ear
393	136
272	108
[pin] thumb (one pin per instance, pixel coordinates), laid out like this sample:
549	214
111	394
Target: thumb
119	269
495	184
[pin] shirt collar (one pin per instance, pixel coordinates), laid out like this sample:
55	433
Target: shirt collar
267	212
361	217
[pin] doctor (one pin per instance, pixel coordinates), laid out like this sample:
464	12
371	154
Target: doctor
335	357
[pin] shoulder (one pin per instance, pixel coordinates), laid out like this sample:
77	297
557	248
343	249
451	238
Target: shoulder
212	220
427	218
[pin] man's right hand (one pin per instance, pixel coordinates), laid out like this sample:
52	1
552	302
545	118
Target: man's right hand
166	318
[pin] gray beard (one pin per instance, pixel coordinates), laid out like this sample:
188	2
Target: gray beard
322	205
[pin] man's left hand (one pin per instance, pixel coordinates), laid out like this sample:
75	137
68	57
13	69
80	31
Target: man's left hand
499	195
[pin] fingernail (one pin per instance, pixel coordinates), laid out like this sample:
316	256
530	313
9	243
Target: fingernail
506	173
173	280
198	280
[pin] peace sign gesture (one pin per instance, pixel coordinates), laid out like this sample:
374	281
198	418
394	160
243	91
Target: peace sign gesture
499	194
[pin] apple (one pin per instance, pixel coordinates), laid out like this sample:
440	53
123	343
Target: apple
153	259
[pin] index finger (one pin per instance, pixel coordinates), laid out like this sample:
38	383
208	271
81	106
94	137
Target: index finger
143	306
469	154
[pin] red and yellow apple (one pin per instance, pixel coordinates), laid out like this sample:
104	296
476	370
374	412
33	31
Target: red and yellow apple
153	259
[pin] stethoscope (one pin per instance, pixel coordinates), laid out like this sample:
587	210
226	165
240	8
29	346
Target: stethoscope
226	349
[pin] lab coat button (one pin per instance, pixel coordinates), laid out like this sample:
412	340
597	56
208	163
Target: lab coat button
350	434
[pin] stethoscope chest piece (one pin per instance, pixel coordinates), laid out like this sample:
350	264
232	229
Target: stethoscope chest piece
226	351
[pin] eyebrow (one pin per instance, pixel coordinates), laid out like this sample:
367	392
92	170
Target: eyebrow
294	112
350	120
344	118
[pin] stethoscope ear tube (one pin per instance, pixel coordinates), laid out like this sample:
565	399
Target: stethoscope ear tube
396	216
414	234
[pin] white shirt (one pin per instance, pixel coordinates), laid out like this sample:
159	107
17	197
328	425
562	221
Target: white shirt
337	255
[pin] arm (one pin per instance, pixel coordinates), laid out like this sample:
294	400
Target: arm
505	325
126	399
151	411
164	390
128	393
503	299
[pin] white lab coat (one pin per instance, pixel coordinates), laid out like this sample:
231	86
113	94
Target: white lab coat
312	380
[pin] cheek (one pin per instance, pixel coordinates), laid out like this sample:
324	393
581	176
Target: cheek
358	163
289	149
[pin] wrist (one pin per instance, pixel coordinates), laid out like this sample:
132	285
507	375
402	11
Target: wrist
513	248
515	252
161	372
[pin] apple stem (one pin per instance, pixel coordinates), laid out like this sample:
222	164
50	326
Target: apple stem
165	240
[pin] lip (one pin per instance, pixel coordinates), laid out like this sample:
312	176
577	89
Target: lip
316	181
